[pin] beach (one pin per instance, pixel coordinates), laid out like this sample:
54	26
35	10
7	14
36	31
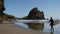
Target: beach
7	28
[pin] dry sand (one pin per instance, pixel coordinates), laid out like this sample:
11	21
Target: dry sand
14	29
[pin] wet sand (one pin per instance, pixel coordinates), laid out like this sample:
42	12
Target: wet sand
14	29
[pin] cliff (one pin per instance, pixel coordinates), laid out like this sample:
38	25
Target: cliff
2	8
35	14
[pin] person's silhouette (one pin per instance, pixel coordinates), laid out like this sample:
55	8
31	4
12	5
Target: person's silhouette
51	23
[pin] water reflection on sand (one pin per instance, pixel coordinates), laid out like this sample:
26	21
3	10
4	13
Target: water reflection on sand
36	26
45	27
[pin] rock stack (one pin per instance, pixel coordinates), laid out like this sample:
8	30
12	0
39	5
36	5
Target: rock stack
35	14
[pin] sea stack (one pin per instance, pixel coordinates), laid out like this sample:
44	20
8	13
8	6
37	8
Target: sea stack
35	14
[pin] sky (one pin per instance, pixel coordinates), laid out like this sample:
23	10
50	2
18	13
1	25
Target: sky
21	8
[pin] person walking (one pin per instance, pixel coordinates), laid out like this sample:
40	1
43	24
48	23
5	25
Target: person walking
51	23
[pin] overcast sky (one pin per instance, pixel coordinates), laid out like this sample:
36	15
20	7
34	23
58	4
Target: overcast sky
21	8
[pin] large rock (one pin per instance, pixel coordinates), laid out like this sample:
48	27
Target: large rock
2	8
35	14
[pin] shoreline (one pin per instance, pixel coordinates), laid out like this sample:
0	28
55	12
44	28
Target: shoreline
15	29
